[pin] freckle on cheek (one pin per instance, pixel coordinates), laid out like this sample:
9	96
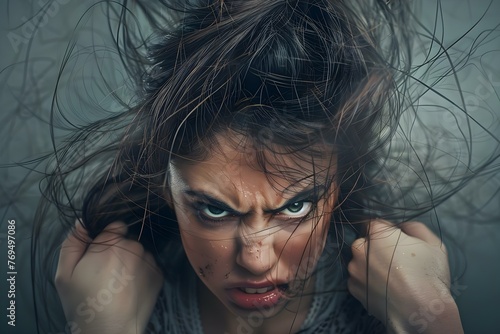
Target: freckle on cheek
208	270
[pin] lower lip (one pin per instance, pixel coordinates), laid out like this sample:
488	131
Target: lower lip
252	301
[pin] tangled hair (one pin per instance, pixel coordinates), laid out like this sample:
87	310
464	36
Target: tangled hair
291	74
307	79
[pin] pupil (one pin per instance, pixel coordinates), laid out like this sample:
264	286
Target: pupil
214	210
296	207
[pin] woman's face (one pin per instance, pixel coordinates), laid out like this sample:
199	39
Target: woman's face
253	238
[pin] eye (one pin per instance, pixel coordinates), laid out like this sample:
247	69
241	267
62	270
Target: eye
214	212
297	209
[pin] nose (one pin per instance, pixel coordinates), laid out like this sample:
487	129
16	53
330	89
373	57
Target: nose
256	250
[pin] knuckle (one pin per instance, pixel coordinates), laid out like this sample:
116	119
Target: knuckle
351	267
60	281
350	284
358	244
136	247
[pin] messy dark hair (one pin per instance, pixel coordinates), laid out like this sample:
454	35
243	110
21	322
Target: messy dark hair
291	74
288	76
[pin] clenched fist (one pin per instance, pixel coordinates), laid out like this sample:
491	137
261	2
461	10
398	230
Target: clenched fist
397	272
106	285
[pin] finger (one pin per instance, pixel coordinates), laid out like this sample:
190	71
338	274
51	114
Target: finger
72	250
358	248
112	233
358	244
157	277
356	269
420	231
150	260
379	229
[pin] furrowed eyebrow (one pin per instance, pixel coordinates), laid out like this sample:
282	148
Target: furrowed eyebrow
306	194
212	201
310	193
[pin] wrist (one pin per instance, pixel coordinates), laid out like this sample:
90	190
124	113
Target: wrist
438	315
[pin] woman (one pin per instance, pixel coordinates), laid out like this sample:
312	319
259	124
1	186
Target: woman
256	151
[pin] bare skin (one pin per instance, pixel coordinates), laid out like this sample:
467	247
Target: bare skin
407	279
108	287
253	245
407	266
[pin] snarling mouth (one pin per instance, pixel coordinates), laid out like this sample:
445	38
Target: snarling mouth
281	287
251	298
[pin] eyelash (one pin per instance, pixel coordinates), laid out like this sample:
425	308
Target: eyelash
200	206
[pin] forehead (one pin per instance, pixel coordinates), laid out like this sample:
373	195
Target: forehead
236	163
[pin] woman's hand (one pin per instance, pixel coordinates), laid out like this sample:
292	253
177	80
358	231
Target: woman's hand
401	276
106	285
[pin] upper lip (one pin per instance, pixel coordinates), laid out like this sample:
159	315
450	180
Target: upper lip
253	285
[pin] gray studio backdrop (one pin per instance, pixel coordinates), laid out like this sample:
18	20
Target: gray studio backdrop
24	132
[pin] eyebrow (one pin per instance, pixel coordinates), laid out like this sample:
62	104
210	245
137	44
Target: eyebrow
309	193
212	201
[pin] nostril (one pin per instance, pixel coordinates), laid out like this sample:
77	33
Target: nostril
257	260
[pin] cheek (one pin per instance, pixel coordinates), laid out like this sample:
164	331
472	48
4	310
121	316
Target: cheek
211	260
304	247
301	253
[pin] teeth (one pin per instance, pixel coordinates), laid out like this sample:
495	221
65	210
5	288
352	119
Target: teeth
262	290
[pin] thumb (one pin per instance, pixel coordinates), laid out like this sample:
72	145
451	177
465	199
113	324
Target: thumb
420	231
72	250
380	228
112	233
